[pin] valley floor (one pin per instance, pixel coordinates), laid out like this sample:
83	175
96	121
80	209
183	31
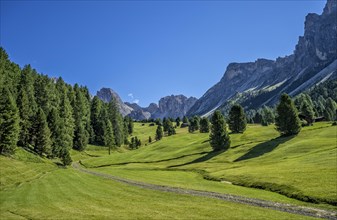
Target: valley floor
180	177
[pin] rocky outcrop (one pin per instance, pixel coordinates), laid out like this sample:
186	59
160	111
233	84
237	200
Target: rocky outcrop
106	94
170	106
261	82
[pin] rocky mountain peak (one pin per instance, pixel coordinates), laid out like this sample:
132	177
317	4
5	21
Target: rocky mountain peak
330	7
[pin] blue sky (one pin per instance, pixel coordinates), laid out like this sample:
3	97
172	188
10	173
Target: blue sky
149	49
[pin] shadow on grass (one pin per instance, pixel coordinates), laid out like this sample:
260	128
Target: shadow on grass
204	158
264	148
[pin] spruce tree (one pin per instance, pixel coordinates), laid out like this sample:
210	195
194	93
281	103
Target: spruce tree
330	109
159	133
178	121
96	106
219	138
237	119
287	121
109	136
54	126
117	122
9	122
65	157
170	129
308	112
42	143
204	125
185	120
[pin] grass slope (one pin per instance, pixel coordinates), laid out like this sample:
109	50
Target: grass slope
302	167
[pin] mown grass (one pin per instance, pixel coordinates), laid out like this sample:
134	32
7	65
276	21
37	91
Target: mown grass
302	167
70	194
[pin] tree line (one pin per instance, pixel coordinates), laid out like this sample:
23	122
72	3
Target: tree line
50	117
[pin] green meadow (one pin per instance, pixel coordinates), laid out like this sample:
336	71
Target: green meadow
299	170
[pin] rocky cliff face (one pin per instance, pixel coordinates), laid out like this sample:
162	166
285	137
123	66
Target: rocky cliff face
170	106
106	94
261	82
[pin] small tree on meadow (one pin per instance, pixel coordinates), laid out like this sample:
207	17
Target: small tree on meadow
287	121
204	125
159	133
219	138
237	119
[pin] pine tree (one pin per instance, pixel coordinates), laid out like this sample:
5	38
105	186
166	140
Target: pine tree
81	136
287	121
54	126
65	157
204	125
237	119
165	124
185	120
170	129
219	138
96	106
330	110
150	139
9	122
117	122
109	136
308	112
267	115
178	121
42	143
159	133
67	125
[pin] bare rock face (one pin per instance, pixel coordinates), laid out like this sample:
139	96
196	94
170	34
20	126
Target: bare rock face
106	94
173	106
261	82
169	106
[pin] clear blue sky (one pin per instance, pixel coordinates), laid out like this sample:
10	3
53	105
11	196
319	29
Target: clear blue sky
150	49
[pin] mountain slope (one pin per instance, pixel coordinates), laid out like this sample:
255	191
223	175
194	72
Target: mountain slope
261	82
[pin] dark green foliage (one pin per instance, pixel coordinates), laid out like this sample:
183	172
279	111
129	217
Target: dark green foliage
267	116
150	139
96	106
42	142
194	124
109	139
9	122
330	110
308	112
178	121
54	126
65	157
117	122
129	124
159	133
185	120
287	120
219	138
81	135
204	125
135	143
170	130
165	124
237	119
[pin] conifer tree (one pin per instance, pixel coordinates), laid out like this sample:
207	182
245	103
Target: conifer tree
159	133
42	143
178	121
96	106
204	125
117	122
65	157
287	121
170	129
185	120
54	126
9	122
237	119
308	112
150	139
109	136
219	138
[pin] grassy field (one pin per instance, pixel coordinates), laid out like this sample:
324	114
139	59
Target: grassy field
303	167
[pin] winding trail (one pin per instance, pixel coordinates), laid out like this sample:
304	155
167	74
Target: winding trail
300	210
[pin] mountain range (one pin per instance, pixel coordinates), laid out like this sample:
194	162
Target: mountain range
258	83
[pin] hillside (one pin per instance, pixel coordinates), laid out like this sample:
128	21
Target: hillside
254	84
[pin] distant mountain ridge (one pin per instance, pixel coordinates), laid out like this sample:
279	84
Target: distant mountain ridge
258	83
170	106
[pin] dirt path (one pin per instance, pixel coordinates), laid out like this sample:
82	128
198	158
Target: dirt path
300	210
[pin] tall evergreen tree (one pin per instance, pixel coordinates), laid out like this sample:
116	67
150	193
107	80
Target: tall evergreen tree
268	116
9	122
81	136
96	106
170	129
330	109
204	125
287	121
237	119
159	133
185	120
42	143
178	121
117	122
308	112
54	126
219	138
109	136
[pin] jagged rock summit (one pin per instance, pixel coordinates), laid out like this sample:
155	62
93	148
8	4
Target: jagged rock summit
170	106
258	83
